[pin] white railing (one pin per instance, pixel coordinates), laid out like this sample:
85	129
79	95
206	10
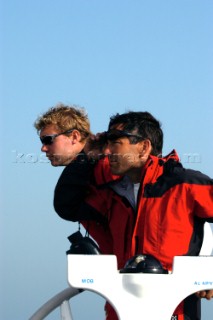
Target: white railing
59	300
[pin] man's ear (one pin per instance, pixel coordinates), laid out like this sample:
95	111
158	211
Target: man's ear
76	136
145	147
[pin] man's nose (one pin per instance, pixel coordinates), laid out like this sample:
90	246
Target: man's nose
44	148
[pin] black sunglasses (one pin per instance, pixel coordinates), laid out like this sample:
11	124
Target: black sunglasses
48	140
112	135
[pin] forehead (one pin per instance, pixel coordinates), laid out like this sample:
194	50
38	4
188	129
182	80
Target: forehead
48	130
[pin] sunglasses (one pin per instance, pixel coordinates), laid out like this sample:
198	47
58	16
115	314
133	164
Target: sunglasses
49	139
116	134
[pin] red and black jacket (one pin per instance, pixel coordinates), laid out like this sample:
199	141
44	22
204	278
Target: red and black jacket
173	204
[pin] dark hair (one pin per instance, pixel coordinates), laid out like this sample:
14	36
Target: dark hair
142	123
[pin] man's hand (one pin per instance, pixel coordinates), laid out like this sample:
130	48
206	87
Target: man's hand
95	144
207	294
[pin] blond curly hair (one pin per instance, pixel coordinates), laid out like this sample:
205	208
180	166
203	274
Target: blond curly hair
65	117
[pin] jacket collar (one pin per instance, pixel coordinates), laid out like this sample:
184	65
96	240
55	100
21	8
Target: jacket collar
104	176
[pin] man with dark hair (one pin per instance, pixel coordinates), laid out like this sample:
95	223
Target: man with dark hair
172	203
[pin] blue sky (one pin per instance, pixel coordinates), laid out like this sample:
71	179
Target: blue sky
106	56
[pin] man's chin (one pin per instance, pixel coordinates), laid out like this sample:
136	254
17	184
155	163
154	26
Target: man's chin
61	162
55	164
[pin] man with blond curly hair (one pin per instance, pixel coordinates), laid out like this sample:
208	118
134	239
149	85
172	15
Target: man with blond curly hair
63	133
